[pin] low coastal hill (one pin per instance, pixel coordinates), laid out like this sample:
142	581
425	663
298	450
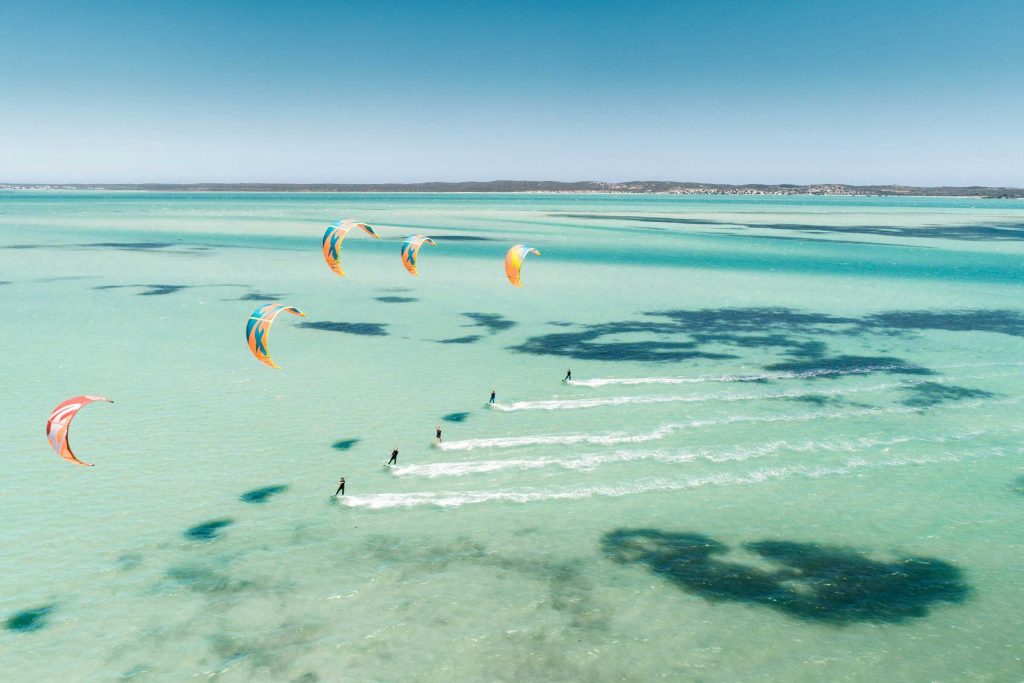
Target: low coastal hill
585	186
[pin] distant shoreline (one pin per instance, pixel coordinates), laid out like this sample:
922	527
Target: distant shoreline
659	187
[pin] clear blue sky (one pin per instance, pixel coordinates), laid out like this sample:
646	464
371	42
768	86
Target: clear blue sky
927	92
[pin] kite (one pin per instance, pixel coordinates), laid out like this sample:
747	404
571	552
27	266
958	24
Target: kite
336	232
514	262
257	329
410	249
60	422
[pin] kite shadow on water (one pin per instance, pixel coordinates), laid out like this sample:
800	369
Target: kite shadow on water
1018	485
468	339
257	295
362	329
207	531
262	495
29	620
395	299
148	290
812	582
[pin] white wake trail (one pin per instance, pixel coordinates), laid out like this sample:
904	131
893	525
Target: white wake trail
557	439
592	461
613	438
454	499
585	462
578	403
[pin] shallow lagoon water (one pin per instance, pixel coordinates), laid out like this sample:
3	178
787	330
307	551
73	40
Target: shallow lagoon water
791	450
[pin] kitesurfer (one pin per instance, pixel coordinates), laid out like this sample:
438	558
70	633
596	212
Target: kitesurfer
568	376
394	457
492	396
341	487
437	432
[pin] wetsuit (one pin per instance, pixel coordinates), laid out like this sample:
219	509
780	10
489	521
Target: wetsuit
394	457
568	376
438	434
492	398
341	487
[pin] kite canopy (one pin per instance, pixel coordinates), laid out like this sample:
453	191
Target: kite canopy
410	249
60	422
336	232
514	262
257	329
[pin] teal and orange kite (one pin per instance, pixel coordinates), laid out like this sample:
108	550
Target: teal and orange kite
257	329
336	232
410	248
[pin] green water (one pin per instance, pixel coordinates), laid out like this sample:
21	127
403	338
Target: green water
791	450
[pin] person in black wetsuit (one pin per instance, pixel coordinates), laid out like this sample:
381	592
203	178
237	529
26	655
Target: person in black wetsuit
568	376
341	487
437	430
492	396
394	457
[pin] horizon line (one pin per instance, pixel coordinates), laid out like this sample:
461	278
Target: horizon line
608	183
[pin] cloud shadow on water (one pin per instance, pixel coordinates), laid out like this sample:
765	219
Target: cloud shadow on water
836	366
604	341
1001	321
203	579
679	335
800	337
455	417
815	400
344	444
29	620
811	582
362	329
492	322
929	394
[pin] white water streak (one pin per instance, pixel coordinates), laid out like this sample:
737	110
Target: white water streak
572	404
450	499
592	461
613	438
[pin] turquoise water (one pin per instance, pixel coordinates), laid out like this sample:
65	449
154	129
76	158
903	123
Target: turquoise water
792	448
